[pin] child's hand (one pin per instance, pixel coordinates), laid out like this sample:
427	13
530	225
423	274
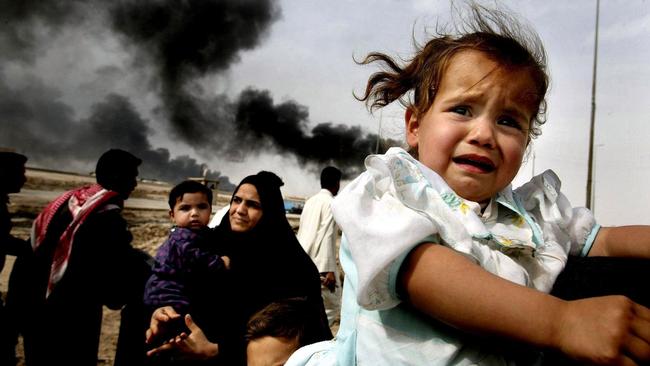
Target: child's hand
611	330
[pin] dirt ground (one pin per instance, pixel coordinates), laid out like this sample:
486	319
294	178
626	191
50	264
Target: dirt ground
145	211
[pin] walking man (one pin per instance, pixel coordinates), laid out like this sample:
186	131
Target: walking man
317	235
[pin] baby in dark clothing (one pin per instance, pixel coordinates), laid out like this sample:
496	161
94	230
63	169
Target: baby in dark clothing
183	255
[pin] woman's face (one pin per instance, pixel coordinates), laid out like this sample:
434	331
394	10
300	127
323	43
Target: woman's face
245	209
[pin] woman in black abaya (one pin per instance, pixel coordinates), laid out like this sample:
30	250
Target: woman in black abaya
267	264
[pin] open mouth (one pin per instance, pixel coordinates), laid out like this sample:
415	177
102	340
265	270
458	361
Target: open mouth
482	163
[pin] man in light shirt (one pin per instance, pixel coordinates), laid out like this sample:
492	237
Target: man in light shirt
317	235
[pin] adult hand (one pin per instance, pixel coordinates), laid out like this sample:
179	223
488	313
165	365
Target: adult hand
160	318
329	281
610	330
193	346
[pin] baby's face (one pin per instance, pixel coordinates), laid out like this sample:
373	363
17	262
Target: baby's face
475	133
192	211
270	351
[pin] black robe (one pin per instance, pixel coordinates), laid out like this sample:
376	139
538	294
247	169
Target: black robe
267	264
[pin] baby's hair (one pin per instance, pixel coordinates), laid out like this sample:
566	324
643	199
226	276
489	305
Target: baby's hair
494	32
289	319
188	186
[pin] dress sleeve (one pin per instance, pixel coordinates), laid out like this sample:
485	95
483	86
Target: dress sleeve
380	231
573	228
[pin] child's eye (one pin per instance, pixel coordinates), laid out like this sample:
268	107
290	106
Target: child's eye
183	207
462	110
510	122
203	206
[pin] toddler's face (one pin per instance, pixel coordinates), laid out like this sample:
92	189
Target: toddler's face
475	133
192	211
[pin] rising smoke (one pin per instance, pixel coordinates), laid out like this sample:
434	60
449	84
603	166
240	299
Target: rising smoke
175	43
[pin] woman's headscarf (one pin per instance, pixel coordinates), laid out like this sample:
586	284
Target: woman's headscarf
274	219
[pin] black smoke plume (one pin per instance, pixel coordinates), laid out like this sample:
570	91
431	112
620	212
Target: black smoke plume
174	43
283	127
185	40
34	119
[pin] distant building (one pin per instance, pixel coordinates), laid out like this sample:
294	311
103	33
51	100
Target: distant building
294	205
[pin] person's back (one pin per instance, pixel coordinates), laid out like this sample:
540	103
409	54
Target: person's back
70	318
134	317
12	178
82	261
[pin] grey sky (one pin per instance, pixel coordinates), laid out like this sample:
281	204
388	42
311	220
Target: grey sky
308	57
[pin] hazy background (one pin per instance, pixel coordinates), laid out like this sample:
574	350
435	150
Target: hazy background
244	85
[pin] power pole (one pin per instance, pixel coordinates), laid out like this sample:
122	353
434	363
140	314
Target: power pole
590	168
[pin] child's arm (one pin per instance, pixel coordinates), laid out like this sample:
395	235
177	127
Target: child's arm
447	286
622	241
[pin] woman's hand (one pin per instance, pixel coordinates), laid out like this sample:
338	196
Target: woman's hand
161	319
611	330
193	346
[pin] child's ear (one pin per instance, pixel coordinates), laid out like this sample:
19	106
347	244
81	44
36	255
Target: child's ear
412	124
171	214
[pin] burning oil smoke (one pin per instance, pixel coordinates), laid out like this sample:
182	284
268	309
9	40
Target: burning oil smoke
174	43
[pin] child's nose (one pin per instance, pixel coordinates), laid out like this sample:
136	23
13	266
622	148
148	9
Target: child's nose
482	133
